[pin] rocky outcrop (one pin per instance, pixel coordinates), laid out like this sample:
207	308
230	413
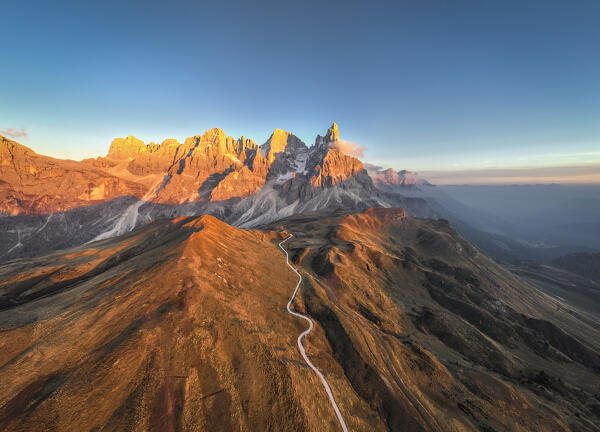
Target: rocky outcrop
203	161
285	154
332	135
143	159
35	184
126	148
239	183
335	168
279	142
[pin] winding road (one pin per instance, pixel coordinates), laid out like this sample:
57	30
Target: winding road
307	332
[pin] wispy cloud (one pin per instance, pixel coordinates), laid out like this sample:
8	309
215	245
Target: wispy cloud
14	132
348	147
372	168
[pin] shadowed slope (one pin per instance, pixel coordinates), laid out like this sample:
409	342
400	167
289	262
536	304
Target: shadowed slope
180	325
436	336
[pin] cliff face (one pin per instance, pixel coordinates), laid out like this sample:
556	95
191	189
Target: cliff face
204	168
335	168
234	179
203	161
329	166
35	184
143	159
279	142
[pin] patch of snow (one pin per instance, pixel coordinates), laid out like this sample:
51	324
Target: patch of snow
45	223
19	244
128	219
282	178
233	158
300	162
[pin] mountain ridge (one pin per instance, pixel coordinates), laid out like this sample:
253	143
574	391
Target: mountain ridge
233	179
185	327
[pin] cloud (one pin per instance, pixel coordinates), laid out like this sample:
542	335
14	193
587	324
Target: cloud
372	168
349	148
14	132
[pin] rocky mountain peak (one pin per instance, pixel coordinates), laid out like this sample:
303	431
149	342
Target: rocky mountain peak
169	142
124	148
389	179
214	137
390	176
333	133
280	141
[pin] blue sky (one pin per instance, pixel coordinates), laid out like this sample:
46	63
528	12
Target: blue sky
429	85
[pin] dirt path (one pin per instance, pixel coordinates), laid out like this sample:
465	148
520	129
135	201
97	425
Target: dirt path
307	332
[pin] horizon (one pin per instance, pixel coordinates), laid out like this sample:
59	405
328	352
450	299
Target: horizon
405	82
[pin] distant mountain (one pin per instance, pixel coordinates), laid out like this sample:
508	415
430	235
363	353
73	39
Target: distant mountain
233	179
390	180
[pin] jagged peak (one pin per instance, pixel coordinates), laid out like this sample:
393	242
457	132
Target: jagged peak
126	147
279	135
279	142
333	133
214	135
170	142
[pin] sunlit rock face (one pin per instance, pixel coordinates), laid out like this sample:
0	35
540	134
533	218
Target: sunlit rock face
125	148
143	159
281	141
203	162
335	168
36	184
329	166
69	202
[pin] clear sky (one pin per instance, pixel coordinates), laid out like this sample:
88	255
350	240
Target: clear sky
423	85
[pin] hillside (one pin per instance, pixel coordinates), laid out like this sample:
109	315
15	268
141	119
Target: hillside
181	325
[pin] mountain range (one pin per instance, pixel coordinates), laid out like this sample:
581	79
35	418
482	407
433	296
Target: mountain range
151	290
236	180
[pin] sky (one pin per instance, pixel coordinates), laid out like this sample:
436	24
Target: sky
450	88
